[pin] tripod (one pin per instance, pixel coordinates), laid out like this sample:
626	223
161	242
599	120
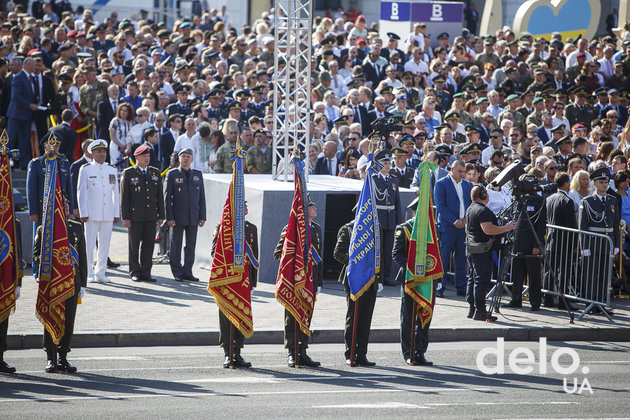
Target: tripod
521	217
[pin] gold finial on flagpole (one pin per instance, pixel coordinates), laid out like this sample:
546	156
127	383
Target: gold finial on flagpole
4	140
52	139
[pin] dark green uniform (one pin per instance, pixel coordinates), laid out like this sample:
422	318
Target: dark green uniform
366	303
142	202
76	238
399	254
318	275
251	237
580	114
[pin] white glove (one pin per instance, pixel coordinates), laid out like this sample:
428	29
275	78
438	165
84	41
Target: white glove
82	292
380	288
319	289
586	252
616	251
17	292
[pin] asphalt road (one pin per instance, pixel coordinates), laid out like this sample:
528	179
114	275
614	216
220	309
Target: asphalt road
171	382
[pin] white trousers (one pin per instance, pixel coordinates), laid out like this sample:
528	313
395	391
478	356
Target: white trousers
102	231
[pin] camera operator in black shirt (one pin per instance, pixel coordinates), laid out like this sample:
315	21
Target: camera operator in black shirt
481	228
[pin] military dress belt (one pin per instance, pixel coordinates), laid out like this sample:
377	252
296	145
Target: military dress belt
389	208
600	229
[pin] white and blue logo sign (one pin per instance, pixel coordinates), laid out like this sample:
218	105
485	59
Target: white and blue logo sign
395	11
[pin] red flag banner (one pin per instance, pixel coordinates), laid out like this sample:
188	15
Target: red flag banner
229	283
294	284
9	255
56	286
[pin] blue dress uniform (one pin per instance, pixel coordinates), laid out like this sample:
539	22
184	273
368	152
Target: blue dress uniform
178	107
185	203
404	175
35	177
142	202
217	113
390	213
399	254
601	215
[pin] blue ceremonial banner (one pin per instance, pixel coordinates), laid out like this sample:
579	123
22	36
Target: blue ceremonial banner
46	258
365	243
238	196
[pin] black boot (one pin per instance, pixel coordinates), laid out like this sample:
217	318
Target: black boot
51	364
4	367
112	264
64	365
305	360
514	303
239	362
291	359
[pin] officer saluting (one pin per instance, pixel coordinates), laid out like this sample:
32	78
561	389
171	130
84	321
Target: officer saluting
76	239
318	275
142	207
390	214
400	252
185	212
598	213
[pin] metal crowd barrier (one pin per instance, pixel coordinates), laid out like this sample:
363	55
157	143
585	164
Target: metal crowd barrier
582	262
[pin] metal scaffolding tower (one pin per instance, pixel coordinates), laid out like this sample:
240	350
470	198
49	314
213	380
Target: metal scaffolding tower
292	82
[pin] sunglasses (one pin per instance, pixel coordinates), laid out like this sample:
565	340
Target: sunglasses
500	162
494	137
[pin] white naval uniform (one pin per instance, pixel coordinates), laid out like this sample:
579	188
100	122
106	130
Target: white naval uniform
99	201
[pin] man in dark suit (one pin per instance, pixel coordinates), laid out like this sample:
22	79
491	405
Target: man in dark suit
379	111
45	96
328	164
106	111
65	134
142	208
15	66
560	212
360	113
167	140
20	111
184	185
452	198
373	72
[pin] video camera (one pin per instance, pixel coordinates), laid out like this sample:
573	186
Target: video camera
386	125
522	185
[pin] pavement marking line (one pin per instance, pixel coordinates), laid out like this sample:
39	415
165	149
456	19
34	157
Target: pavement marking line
156	368
234	394
250	380
134	358
374	405
432	405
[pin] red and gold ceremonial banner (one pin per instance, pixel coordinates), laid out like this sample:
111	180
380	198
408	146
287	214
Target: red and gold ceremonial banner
229	280
56	275
424	263
294	284
10	263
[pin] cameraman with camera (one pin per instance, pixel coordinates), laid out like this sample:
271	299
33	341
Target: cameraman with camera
527	254
481	230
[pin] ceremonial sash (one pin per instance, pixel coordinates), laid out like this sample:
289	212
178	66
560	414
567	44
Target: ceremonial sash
56	275
294	283
229	275
424	263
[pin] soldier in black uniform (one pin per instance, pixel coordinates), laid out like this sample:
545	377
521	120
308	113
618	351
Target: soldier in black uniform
366	303
580	111
565	147
251	237
401	171
400	252
76	238
525	247
599	213
180	107
142	208
185	207
318	275
390	213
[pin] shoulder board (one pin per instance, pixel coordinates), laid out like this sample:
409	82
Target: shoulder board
315	223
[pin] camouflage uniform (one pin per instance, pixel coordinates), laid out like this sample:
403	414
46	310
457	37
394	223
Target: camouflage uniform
224	163
534	118
519	119
258	159
91	96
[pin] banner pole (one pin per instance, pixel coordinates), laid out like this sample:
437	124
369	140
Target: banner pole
296	343
412	351
231	345
354	333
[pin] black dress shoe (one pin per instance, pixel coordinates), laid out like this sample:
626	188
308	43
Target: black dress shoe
513	304
535	309
240	362
471	313
226	362
484	316
51	367
291	361
190	278
363	361
112	264
135	278
5	368
305	360
461	293
420	360
149	279
439	293
64	366
177	278
348	362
